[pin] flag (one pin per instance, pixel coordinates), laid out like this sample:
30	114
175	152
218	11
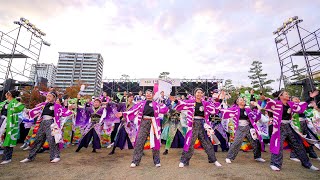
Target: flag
162	86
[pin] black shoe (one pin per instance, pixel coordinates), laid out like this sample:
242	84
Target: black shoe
94	151
111	153
78	150
165	152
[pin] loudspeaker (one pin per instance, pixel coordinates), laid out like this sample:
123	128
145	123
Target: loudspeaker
308	86
42	81
8	84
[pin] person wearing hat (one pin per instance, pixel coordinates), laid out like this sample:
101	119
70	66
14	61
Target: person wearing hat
198	123
10	121
147	113
48	113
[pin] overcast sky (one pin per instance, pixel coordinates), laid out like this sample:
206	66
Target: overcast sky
188	38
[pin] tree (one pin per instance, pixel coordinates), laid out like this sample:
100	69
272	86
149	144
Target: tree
30	96
258	78
125	77
164	75
235	93
228	86
294	90
73	90
292	84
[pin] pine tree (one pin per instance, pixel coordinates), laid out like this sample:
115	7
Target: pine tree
164	75
258	78
228	86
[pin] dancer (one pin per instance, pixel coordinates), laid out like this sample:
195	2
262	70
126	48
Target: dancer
245	126
9	115
302	124
220	130
66	123
174	129
48	114
282	111
76	104
27	125
198	122
147	113
104	98
126	132
116	124
92	130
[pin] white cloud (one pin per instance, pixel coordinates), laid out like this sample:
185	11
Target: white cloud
186	40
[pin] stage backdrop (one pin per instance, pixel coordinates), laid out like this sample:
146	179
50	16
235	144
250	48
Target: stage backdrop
151	82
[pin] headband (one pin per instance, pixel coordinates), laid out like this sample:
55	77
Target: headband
281	93
53	94
197	89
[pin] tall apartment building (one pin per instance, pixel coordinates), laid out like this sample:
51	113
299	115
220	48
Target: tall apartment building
86	67
42	70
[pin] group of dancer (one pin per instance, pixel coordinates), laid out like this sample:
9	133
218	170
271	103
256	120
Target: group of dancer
188	122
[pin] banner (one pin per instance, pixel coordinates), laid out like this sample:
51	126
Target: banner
152	82
162	86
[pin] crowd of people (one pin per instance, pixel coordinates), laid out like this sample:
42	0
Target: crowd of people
141	122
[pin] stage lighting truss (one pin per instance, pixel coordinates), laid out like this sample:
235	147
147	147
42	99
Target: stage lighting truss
17	55
293	51
287	25
187	86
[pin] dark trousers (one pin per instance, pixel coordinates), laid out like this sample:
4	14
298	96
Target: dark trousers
92	134
223	143
199	132
114	132
241	133
309	150
43	134
7	153
141	140
121	139
23	133
287	134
